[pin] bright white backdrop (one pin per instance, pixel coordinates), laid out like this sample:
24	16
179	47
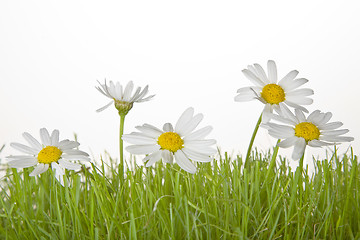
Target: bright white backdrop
191	53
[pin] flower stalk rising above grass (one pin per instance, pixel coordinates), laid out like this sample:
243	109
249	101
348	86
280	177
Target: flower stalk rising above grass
183	142
275	95
123	100
301	131
51	151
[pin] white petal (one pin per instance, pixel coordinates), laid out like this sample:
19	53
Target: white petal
244	97
327	116
300	115
127	92
330	126
75	157
142	149
261	73
39	169
336	139
286	81
118	91
59	172
291	85
67	144
104	107
153	158
168	127
195	156
32	141
146	99
299	148
23	148
253	78
55	137
69	165
198	134
184	162
301	92
149	130
135	139
75	152
286	113
184	118
167	156
295	105
191	125
266	113
288	142
315	114
286	130
203	149
207	142
272	71
45	137
317	143
23	163
335	132
299	100
135	96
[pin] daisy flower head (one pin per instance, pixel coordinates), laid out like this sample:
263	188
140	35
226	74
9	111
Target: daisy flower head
300	131
272	93
182	142
50	152
123	99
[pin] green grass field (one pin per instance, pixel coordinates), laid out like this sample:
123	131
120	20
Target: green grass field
221	201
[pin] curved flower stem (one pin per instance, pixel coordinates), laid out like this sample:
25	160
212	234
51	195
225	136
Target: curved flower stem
247	159
121	147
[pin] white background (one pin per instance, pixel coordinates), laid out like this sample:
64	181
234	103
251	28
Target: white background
191	53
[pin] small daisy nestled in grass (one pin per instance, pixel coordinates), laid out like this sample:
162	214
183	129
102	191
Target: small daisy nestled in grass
300	131
123	100
181	142
51	151
272	93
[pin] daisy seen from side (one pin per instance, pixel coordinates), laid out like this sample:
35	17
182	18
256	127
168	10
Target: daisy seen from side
50	152
123	98
182	142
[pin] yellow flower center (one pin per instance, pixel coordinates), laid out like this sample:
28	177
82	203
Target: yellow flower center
307	130
170	141
273	94
49	154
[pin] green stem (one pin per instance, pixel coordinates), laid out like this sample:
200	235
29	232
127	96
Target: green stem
247	159
121	145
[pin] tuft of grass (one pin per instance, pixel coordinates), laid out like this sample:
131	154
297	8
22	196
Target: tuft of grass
223	200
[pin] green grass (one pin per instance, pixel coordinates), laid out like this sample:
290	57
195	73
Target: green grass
163	202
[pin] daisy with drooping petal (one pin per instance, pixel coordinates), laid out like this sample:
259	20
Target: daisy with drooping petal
51	151
272	93
275	95
300	131
123	100
182	143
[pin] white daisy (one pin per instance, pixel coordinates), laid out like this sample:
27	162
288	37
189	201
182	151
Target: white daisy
272	93
181	142
123	99
51	151
299	131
